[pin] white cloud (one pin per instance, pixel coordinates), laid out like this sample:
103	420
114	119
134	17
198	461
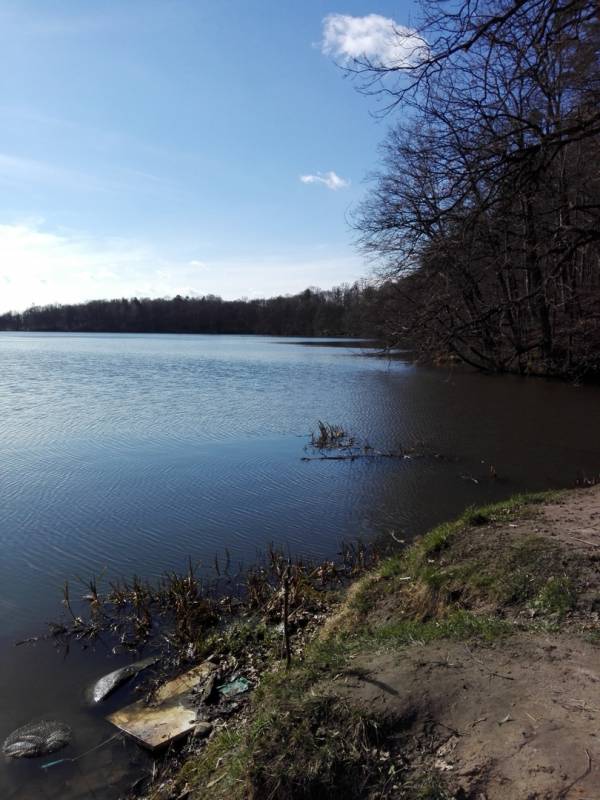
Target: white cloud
41	266
329	179
378	39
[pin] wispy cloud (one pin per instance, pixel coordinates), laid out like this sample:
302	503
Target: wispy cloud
378	39
16	171
329	179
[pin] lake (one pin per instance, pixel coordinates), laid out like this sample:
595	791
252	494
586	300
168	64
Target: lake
124	454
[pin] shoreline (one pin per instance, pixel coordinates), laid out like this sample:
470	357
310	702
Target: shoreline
463	666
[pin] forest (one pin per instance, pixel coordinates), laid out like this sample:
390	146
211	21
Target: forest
486	210
351	310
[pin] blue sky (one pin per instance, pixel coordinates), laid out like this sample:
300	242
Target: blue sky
192	146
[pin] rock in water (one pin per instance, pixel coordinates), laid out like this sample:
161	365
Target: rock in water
37	739
108	683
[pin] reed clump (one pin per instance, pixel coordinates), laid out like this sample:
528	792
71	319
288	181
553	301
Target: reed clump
330	437
180	613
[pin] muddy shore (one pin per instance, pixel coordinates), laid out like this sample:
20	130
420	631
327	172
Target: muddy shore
465	666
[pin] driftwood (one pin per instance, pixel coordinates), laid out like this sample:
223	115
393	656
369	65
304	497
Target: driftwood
333	443
354	455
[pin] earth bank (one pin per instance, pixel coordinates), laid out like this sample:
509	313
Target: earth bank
466	666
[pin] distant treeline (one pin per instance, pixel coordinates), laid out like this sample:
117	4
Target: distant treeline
350	310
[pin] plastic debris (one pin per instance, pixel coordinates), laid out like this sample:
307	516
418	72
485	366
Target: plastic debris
55	763
37	739
234	687
108	683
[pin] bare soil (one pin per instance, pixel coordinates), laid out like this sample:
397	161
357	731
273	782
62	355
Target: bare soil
515	720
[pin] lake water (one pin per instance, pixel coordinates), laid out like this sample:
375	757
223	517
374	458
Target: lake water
124	454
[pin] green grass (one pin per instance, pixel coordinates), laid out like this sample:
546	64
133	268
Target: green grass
430	787
222	760
509	580
298	743
556	597
239	638
460	625
436	540
592	637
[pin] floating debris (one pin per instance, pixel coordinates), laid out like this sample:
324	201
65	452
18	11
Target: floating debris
170	717
37	739
335	438
108	683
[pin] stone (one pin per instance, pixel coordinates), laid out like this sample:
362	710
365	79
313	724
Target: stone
202	729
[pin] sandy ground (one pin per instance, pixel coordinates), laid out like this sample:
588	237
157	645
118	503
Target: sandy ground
517	720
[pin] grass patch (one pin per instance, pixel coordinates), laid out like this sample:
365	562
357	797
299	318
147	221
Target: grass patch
296	744
515	573
221	760
556	597
459	625
440	537
592	636
525	573
239	638
430	787
313	747
438	561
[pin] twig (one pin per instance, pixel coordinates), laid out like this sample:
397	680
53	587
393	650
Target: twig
448	728
286	604
485	669
577	705
583	541
584	774
499	675
353	456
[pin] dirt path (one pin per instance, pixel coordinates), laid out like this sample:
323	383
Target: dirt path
516	721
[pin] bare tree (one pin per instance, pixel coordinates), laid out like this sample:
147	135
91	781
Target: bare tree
487	205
